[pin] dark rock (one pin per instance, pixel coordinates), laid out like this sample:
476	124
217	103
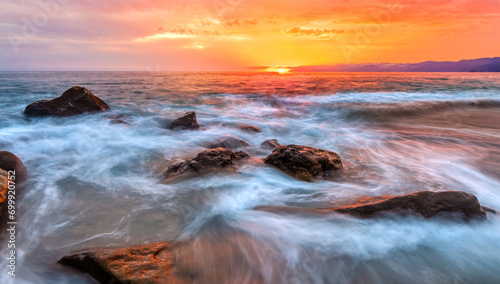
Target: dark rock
74	101
303	162
205	162
489	210
186	121
118	119
229	142
150	263
240	155
270	144
10	162
425	203
249	128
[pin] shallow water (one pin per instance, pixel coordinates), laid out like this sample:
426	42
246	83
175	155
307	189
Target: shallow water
95	183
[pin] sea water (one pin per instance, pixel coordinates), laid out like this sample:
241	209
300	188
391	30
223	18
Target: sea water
97	183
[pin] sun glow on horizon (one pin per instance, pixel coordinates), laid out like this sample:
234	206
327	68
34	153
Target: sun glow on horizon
279	70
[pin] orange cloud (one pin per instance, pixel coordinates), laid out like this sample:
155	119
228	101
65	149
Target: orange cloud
231	35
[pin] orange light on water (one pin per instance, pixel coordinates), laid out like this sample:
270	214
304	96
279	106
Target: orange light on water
278	70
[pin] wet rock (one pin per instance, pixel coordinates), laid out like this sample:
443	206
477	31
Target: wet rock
118	119
240	155
303	162
150	263
425	203
229	142
270	144
4	187
489	210
186	121
74	101
205	162
10	162
249	128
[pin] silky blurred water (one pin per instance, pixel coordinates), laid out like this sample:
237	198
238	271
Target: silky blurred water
96	183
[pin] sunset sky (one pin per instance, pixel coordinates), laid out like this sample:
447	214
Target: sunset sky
209	35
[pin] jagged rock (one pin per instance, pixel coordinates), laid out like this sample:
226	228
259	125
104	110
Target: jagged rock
229	142
205	162
270	144
150	263
303	162
74	101
186	121
10	162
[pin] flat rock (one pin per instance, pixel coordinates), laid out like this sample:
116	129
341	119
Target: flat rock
151	263
74	101
10	162
270	144
229	142
186	121
425	203
205	162
303	162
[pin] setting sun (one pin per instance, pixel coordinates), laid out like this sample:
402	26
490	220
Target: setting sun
279	70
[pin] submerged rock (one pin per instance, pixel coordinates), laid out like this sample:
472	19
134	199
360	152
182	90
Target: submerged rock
150	263
229	142
249	128
205	162
186	121
74	101
425	203
270	144
303	162
10	162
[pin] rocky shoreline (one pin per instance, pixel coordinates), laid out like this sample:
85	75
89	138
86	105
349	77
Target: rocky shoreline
155	263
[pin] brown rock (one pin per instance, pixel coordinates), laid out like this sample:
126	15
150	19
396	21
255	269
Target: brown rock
10	162
270	144
4	187
205	162
303	162
186	121
150	263
240	155
229	142
425	203
249	128
74	101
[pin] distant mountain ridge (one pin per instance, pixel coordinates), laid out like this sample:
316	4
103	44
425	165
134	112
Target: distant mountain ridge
469	65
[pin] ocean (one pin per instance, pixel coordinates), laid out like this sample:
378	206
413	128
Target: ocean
96	183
